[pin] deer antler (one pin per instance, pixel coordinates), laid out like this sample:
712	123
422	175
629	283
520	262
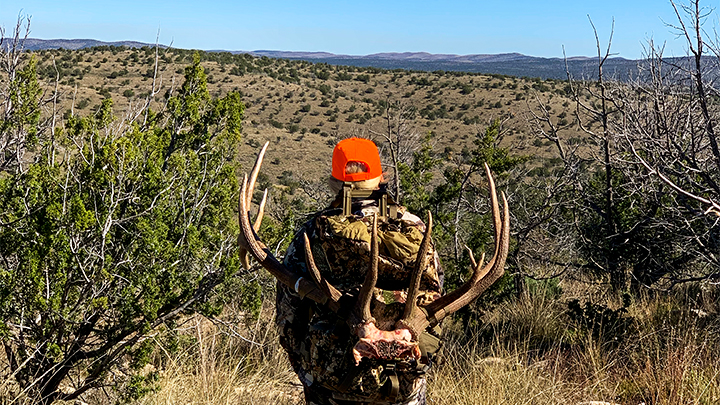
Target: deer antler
247	199
403	340
417	319
249	242
483	278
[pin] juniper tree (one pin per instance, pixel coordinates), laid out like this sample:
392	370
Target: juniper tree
114	228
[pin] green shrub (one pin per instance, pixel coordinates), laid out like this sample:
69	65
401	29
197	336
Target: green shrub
93	264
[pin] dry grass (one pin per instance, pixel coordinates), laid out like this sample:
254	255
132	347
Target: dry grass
535	356
525	353
246	366
8	388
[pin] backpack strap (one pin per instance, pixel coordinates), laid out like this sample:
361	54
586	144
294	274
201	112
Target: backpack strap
388	208
391	388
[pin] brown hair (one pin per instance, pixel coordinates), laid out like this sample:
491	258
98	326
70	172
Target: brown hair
355	167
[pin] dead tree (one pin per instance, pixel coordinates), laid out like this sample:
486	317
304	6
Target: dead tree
401	138
669	126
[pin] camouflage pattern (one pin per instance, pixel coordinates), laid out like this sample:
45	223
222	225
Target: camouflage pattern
345	260
319	342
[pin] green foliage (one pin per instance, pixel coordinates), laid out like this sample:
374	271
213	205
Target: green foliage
139	386
415	177
322	74
456	223
487	151
600	321
133	225
19	116
325	89
343	76
466	88
638	243
550	289
420	81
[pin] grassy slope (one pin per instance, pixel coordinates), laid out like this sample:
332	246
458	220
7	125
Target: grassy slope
303	115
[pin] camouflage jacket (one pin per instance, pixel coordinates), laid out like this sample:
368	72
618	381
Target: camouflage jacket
318	341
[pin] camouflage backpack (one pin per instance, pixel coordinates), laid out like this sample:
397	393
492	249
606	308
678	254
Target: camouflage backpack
318	341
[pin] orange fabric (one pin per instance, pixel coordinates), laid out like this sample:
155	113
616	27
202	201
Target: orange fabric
356	150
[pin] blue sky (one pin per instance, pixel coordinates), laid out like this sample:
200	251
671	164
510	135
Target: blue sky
363	27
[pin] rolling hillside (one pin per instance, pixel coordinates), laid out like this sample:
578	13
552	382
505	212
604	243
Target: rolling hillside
307	107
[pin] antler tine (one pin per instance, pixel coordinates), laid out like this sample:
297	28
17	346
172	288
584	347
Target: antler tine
248	239
246	198
472	258
420	264
330	291
261	212
362	306
494	205
255	171
242	212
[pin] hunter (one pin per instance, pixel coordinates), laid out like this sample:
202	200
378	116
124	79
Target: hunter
359	299
321	346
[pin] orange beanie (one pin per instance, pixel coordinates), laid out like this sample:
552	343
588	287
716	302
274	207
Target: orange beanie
356	150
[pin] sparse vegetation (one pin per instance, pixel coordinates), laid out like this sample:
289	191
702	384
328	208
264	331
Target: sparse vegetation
583	314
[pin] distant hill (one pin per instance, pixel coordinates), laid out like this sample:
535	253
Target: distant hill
34	44
510	64
401	56
528	66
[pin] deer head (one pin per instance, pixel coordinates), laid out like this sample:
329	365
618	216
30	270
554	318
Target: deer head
402	341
